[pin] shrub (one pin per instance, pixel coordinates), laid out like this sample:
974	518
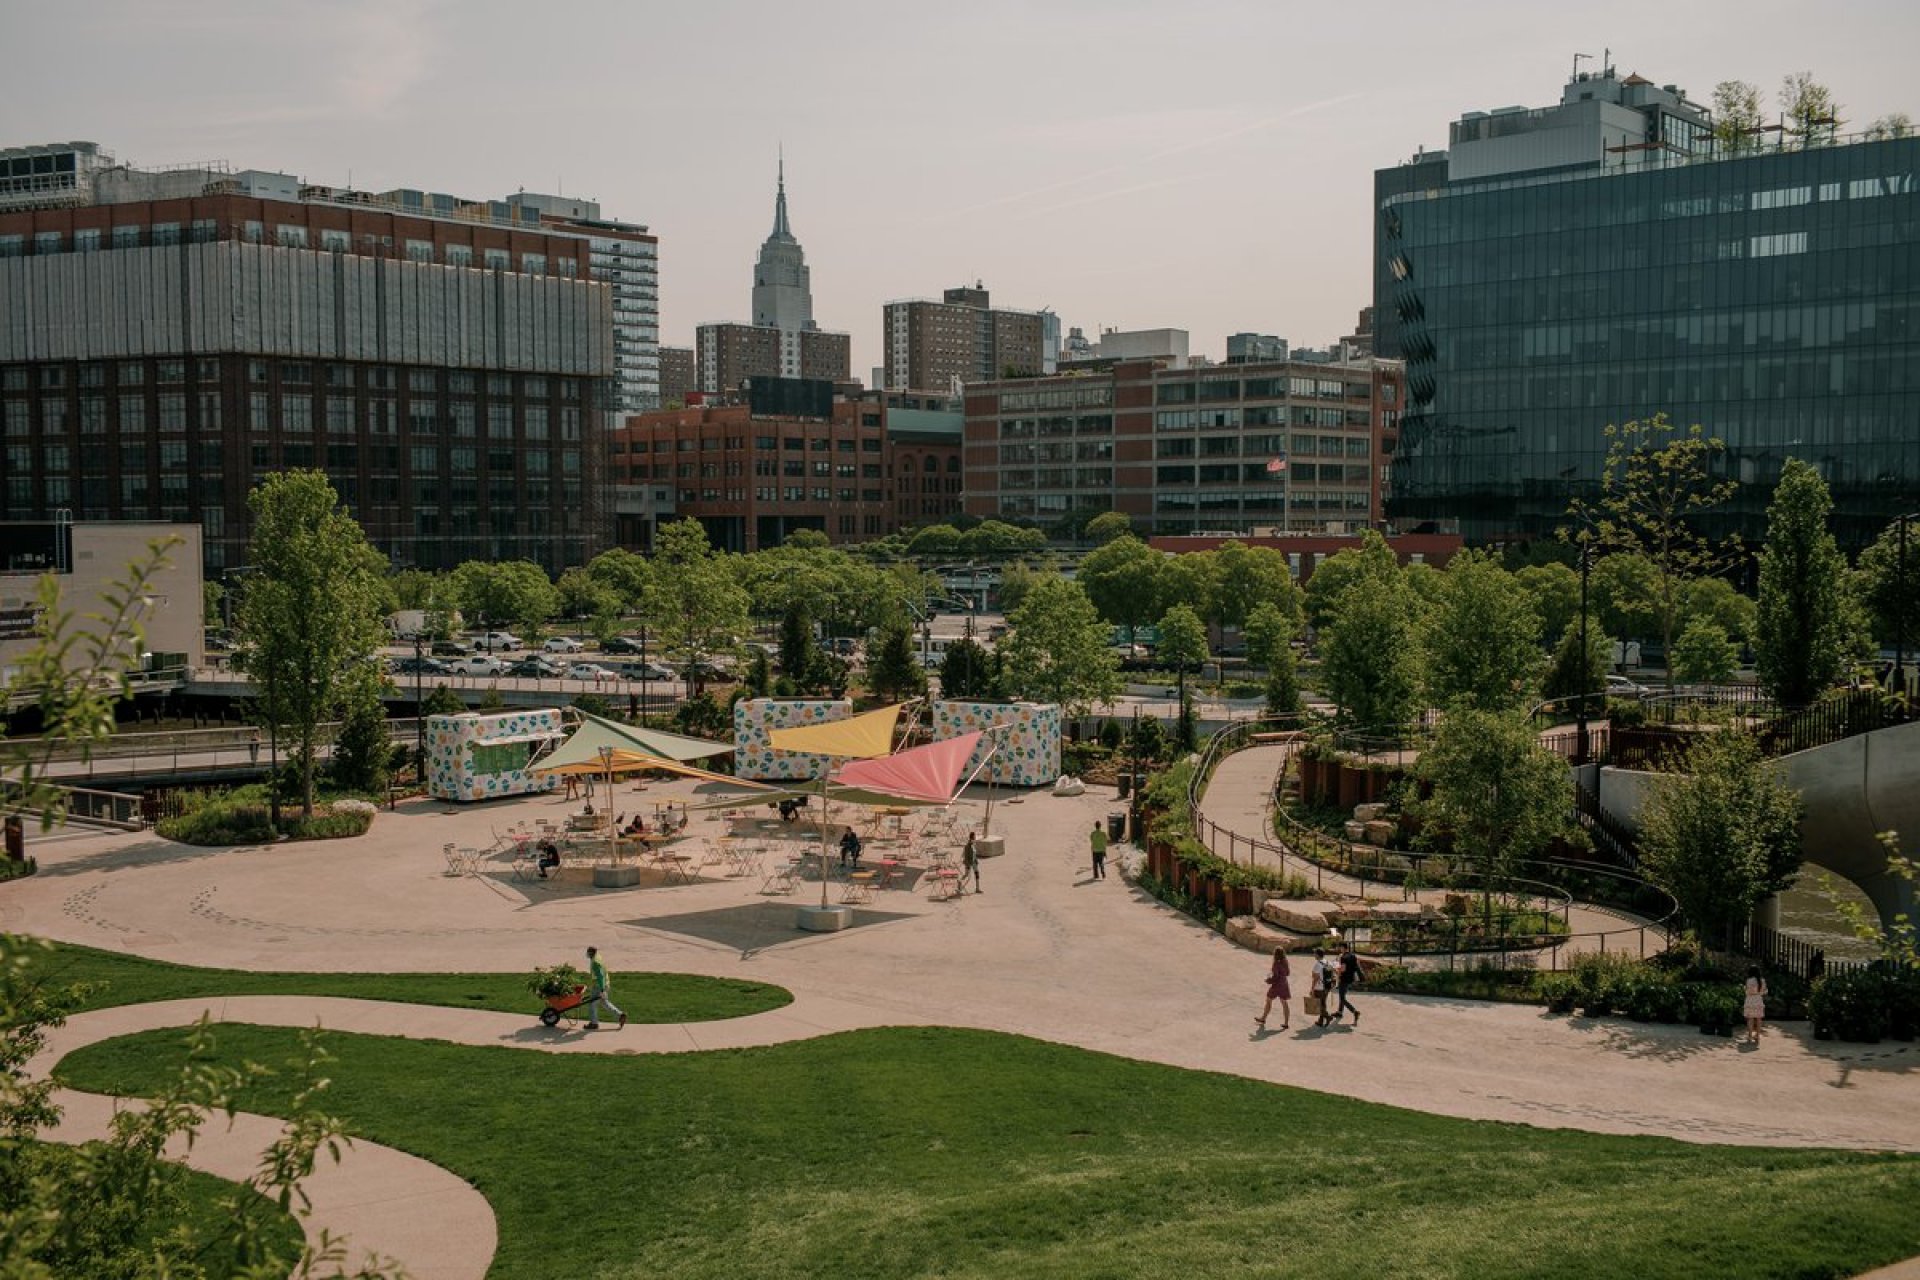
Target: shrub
1601	981
556	980
1111	734
1851	1005
1559	990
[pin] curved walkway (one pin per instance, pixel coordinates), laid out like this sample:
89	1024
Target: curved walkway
1044	952
1239	799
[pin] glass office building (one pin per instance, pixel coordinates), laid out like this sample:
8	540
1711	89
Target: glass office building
1583	277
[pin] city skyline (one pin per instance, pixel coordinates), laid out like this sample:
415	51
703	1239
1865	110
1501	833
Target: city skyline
1119	165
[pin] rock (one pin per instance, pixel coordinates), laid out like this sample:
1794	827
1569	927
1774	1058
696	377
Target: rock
1301	916
1371	812
1378	832
1355	829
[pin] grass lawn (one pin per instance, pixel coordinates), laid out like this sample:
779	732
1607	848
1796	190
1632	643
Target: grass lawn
945	1152
647	997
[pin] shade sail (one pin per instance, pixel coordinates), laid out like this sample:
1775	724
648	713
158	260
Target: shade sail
931	773
634	762
861	738
808	791
594	733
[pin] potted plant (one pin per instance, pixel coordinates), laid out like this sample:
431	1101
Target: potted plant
556	983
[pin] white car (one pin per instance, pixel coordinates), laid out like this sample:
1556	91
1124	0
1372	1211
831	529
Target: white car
646	671
562	644
588	671
480	664
497	642
1621	687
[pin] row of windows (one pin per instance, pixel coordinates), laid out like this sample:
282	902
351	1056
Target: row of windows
286	235
133	373
1215	389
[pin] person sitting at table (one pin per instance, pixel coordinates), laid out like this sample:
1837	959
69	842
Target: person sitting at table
638	827
588	811
547	857
850	849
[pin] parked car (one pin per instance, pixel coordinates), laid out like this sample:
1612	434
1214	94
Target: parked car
706	671
535	667
645	671
497	642
451	648
562	644
623	644
480	664
1621	687
421	666
589	671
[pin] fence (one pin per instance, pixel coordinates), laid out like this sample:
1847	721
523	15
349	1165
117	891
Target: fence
1779	951
91	808
1325	861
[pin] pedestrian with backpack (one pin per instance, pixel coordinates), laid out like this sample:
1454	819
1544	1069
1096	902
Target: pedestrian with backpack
1347	970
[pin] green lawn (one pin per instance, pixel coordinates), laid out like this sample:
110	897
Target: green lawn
646	997
925	1151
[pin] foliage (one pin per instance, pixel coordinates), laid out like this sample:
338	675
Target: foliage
1555	589
1891	597
935	540
505	594
1057	651
1801	640
1568	675
894	672
1896	124
1715	600
1126	580
1370	655
1329	582
1483	640
1722	837
843	594
701	716
1704	654
1244	580
1283	683
1810	113
796	640
969	671
1897	944
1016	579
1736	116
1107	526
1496	791
627	574
758	680
363	749
596	601
442	702
1655	483
1623	589
212	594
1148	739
309	618
73	674
699	609
555	980
1267	631
1183	640
1866	1005
223	823
996	539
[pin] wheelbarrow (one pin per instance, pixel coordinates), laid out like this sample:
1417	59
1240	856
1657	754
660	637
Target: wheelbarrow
566	1006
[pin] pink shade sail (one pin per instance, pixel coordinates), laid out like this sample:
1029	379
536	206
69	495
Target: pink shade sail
931	773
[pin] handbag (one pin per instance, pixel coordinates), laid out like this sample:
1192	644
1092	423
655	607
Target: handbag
1316	1004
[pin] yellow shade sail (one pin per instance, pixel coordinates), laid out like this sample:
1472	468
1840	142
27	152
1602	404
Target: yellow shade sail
864	737
630	761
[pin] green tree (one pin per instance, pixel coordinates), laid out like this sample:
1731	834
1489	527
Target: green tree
309	619
363	750
1736	116
1655	484
1329	582
1802	639
894	672
935	540
995	539
796	640
1567	675
1555	588
1715	600
505	594
1016	579
1722	836
1107	526
1483	638
442	702
1370	651
699	609
1190	579
1267	631
759	678
968	671
1892	599
1496	792
587	599
1812	116
1183	646
1623	590
1148	739
1245	578
1897	124
417	589
212	595
1705	654
1057	651
1126	581
627	573
1283	683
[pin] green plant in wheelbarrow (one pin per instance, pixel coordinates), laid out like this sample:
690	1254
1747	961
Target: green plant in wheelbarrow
555	982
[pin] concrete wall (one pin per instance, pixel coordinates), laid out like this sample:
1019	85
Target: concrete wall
102	554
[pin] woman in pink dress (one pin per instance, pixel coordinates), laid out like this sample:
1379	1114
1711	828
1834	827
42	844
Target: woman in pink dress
1277	989
1754	1007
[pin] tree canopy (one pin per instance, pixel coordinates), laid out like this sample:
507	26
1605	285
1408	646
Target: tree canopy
1370	652
1802	641
1496	791
699	609
1483	638
1126	581
1057	650
505	593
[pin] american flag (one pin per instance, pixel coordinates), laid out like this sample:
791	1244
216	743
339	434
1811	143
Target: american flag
1276	465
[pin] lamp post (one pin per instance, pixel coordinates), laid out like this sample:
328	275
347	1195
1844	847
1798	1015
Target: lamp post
1586	663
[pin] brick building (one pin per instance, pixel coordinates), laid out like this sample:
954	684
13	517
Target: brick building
932	346
865	468
679	376
166	345
729	355
1226	448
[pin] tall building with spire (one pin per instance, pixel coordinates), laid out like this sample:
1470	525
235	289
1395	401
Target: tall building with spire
783	341
782	293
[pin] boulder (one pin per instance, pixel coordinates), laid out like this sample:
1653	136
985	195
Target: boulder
1370	812
1300	915
1355	829
1377	832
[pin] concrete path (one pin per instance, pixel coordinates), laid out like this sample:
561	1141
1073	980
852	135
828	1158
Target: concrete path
1045	952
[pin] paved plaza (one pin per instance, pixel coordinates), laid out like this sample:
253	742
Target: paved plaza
1044	951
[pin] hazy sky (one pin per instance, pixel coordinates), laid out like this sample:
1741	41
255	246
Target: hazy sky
1204	165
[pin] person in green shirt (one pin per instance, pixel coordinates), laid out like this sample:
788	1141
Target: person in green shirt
599	986
1099	851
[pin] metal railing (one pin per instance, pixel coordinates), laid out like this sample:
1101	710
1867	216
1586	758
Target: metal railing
130	756
114	809
1318	857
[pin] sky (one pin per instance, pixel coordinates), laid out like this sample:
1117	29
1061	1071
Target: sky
1206	165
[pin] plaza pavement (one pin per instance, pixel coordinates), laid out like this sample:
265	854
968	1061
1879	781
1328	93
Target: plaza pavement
1044	952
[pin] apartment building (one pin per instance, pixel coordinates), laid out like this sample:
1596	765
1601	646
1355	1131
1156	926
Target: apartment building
963	338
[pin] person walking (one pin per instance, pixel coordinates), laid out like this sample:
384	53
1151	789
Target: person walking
1277	989
1755	1005
601	991
1347	972
970	865
1099	851
1319	983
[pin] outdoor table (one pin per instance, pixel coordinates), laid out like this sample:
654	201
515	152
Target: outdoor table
945	882
859	887
781	878
675	865
890	869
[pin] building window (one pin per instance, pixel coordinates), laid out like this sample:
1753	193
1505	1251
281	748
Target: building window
296	413
420	251
166	233
203	230
459	255
127	237
497	259
288	236
86	240
45	242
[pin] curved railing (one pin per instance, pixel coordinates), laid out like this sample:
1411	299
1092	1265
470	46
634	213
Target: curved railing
1316	856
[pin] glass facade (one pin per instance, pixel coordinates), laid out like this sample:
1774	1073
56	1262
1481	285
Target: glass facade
1774	299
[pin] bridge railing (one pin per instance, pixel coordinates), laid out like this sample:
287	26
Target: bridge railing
115	809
